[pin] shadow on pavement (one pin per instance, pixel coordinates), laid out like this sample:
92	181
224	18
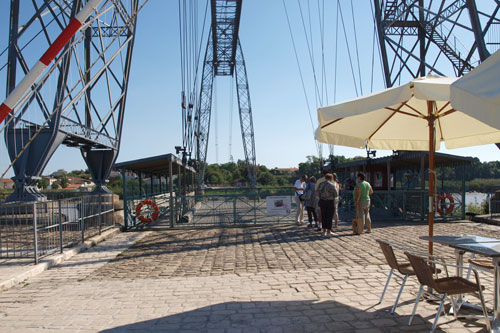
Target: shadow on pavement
287	316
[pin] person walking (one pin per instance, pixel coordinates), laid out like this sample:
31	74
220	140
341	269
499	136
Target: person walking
336	200
298	187
362	193
327	193
310	202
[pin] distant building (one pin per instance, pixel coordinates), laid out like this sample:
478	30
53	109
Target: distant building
129	175
285	171
58	173
6	183
114	174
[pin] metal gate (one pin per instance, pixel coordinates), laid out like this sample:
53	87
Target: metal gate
231	209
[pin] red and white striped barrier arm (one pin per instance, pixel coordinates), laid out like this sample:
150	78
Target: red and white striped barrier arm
53	50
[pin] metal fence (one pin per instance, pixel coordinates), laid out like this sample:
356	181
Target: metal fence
232	209
494	207
161	200
249	206
37	229
403	205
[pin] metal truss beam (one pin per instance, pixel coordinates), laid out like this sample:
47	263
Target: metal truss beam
224	57
225	26
434	27
245	111
96	62
203	113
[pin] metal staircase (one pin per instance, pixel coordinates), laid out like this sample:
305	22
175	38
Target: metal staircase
461	66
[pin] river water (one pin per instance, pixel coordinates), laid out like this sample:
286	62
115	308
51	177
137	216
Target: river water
475	198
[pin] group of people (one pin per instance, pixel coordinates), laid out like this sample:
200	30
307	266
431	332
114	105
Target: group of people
324	193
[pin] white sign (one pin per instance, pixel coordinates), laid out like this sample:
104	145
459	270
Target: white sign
278	205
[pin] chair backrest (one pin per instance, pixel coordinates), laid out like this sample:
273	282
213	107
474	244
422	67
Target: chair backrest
422	270
389	254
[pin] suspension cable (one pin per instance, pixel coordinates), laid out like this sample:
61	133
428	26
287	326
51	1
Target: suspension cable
336	53
231	100
318	97
348	49
357	51
378	41
298	65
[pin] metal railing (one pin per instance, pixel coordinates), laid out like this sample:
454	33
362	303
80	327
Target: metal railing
400	205
231	206
162	201
494	207
232	209
38	229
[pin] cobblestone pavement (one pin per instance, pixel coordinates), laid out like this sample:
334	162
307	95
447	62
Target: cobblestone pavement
282	278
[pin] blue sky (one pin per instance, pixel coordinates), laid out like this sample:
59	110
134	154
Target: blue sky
282	123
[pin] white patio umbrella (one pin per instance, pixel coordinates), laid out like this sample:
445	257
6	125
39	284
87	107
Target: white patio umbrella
478	93
415	116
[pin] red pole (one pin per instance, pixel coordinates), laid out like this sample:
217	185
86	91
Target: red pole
430	119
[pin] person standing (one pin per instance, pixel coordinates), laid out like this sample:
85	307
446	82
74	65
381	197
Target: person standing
362	192
324	172
336	200
327	193
310	202
299	187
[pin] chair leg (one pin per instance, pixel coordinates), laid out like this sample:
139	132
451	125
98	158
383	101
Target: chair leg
454	307
470	266
438	314
416	303
399	294
485	310
386	284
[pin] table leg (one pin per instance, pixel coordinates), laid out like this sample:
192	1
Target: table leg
495	326
459	254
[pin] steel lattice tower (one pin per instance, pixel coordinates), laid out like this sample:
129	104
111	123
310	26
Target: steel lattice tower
79	100
224	57
417	37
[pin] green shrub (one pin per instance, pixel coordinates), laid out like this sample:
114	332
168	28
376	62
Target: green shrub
476	208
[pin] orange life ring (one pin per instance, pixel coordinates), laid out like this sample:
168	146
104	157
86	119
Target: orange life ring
142	218
447	209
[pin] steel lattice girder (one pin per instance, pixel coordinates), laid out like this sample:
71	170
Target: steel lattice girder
417	36
202	119
245	110
222	56
225	26
60	105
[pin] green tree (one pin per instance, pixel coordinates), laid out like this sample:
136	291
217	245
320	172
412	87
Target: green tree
43	183
116	186
283	181
64	181
266	179
55	186
312	167
215	178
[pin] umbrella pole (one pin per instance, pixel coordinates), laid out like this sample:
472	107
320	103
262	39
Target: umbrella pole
431	119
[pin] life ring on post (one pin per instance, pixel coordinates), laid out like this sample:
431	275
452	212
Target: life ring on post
445	209
142	218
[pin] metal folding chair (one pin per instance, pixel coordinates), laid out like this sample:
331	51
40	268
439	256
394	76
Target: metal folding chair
404	269
447	286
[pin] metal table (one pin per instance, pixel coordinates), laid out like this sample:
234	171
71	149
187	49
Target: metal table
489	247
